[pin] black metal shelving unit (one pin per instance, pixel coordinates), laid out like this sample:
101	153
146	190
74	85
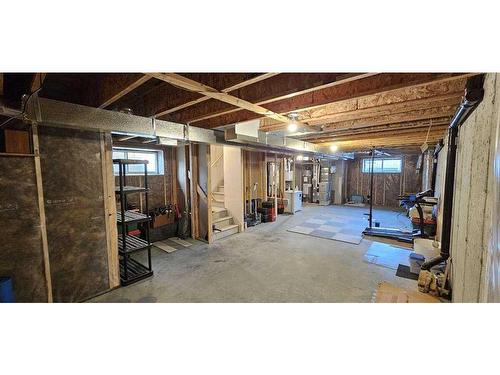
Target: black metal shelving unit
131	270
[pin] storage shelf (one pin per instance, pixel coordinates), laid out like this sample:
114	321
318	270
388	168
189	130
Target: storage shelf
131	189
130	269
132	217
135	271
133	244
129	161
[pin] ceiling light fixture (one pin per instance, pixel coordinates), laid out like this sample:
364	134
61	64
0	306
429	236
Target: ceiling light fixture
292	127
334	148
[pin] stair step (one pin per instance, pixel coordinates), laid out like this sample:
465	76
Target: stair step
218	194
226	231
216	203
222	222
221	189
218	212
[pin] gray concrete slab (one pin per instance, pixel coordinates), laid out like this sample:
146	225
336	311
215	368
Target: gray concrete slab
266	263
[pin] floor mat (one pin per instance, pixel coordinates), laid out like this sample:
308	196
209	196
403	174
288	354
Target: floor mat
387	256
404	271
333	227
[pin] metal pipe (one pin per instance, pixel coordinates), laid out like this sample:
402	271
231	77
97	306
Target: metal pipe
474	93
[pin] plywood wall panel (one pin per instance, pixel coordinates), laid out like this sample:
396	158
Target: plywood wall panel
73	191
386	186
21	254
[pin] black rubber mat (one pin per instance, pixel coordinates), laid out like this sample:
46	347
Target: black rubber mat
404	271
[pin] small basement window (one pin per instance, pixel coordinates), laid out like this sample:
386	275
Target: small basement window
154	157
382	165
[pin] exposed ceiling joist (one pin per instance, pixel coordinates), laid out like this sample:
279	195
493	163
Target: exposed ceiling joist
191	85
37	81
420	114
226	90
387	128
281	90
116	87
380	83
399	101
384	142
435	131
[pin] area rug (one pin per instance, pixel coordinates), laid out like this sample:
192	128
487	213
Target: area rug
333	227
404	271
387	256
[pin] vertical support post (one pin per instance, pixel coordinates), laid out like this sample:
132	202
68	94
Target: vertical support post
41	210
275	178
147	214
108	183
371	188
209	195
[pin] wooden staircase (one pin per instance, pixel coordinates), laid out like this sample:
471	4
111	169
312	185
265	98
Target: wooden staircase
222	222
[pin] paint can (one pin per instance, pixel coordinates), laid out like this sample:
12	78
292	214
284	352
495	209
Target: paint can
6	291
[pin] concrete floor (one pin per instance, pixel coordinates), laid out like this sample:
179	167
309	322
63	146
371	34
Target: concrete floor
266	264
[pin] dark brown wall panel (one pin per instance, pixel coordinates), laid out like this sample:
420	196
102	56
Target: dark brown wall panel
73	190
386	187
21	254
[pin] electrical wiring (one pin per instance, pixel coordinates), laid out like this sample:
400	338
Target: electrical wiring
25	103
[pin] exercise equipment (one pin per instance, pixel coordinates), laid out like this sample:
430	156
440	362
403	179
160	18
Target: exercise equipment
407	201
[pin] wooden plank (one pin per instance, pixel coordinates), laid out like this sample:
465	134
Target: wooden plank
37	81
285	86
190	85
115	87
376	84
41	209
17	141
332	113
209	201
110	209
237	86
387	128
193	183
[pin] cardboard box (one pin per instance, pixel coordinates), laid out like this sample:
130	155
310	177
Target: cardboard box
388	293
161	220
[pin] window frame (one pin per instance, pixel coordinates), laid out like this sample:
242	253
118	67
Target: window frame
381	170
159	171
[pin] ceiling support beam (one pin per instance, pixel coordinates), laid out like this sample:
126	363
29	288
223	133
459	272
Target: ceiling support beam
226	90
376	84
346	111
37	81
190	85
119	87
335	79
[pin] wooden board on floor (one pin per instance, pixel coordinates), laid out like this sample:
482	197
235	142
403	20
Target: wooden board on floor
388	293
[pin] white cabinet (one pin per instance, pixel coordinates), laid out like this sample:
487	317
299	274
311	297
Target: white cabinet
294	201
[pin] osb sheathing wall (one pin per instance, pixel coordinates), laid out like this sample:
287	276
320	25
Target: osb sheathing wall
21	256
474	276
386	186
73	193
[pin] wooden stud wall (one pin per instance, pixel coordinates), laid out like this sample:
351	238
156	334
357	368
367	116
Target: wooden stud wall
386	186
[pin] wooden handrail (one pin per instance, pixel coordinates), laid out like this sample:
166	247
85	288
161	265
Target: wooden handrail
217	159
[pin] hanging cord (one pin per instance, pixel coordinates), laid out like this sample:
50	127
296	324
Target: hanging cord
25	103
428	131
